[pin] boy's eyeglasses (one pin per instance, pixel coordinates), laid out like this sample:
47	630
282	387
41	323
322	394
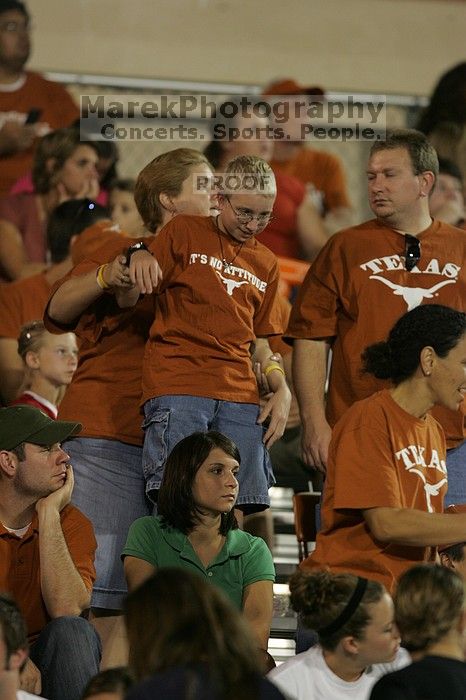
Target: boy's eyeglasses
244	217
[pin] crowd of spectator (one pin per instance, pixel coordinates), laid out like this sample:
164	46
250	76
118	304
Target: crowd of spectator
157	368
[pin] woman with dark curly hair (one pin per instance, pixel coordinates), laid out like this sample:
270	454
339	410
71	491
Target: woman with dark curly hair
357	635
430	614
383	498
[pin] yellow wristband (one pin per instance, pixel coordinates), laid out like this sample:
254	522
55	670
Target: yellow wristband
271	367
100	277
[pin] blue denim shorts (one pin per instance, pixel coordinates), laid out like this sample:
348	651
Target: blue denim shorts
110	490
168	419
456	472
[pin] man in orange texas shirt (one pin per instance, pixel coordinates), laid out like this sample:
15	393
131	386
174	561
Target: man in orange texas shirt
362	281
30	105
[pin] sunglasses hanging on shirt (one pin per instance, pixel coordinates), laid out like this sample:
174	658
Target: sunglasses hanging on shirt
412	251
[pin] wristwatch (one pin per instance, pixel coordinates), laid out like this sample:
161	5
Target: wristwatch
134	249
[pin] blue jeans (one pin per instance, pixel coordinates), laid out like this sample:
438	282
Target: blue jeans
67	653
169	419
110	490
456	469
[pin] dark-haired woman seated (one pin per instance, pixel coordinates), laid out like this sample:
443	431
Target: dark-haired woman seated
187	641
386	478
196	529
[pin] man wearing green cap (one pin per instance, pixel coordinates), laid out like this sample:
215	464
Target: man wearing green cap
47	549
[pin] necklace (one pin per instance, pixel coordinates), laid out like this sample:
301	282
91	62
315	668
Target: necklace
226	265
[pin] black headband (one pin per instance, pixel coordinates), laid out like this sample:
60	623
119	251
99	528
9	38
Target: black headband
347	611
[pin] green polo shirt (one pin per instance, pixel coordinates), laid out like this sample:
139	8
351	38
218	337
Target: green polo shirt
243	559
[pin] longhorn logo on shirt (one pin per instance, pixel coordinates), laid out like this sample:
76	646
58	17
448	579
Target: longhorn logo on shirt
414	460
230	284
413	296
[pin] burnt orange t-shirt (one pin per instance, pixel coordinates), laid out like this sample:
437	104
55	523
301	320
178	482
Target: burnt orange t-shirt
276	342
206	317
379	457
94	237
57	110
323	170
357	288
20	564
106	389
21	302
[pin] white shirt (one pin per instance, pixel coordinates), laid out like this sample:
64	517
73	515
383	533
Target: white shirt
22	695
307	677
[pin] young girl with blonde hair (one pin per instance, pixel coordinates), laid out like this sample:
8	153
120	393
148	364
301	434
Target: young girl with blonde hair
50	362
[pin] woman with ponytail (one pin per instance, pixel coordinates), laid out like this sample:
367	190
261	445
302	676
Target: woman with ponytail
354	619
386	477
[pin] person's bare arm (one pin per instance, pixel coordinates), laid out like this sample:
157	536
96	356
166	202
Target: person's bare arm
312	232
77	293
310	358
337	219
11	369
63	589
258	610
13	256
145	272
137	571
415	527
277	406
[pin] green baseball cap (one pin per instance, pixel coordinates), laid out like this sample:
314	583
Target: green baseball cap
27	424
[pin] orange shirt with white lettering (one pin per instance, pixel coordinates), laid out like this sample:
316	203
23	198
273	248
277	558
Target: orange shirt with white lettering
106	388
357	288
379	457
207	317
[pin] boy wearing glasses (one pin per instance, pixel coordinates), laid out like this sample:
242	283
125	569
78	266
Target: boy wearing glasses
362	281
216	301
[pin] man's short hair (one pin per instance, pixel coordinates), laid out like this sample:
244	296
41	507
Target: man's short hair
9	5
422	154
12	625
20	451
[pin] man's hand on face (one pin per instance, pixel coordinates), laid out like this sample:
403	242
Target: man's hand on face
57	500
